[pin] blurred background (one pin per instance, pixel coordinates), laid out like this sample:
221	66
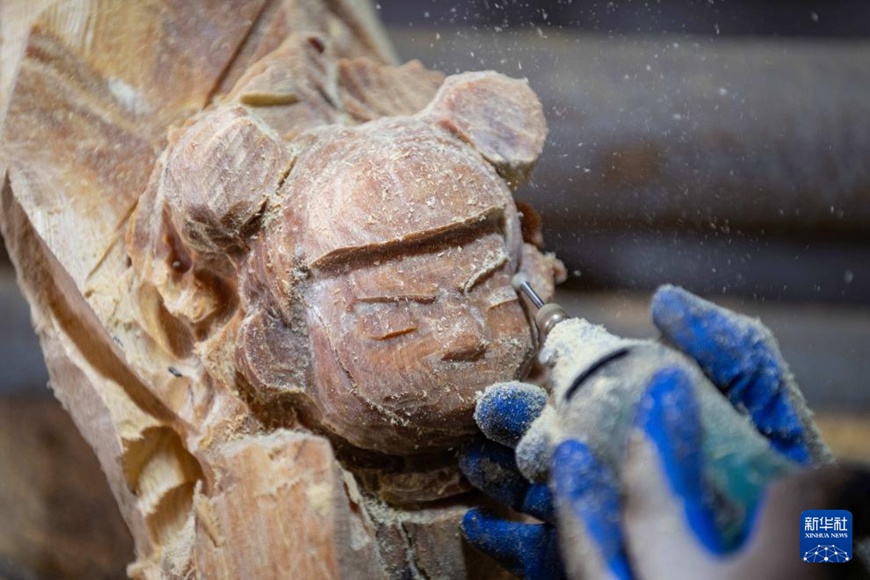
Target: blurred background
723	145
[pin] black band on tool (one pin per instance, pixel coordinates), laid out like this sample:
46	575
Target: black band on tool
594	367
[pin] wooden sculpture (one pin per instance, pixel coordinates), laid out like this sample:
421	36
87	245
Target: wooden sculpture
270	271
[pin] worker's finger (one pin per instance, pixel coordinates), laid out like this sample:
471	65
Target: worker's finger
668	417
587	502
668	524
666	518
506	410
741	357
527	550
491	468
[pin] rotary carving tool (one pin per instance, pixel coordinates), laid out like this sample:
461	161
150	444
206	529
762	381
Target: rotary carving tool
597	381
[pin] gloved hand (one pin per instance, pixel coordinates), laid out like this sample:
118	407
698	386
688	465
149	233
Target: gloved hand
665	526
527	550
741	357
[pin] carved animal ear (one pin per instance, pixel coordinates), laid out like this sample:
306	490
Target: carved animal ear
219	174
501	117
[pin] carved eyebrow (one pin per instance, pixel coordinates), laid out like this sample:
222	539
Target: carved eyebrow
426	242
390	298
487	269
391	331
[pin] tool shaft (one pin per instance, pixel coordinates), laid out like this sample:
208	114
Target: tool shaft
529	291
548	315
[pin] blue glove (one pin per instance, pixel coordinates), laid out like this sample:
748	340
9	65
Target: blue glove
585	485
740	356
736	353
668	421
527	550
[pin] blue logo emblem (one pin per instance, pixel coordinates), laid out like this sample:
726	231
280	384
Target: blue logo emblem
826	536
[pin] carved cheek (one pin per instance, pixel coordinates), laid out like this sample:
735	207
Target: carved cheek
366	341
511	343
398	354
385	343
341	410
368	399
509	323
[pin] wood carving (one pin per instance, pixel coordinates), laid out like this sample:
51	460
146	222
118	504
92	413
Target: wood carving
270	271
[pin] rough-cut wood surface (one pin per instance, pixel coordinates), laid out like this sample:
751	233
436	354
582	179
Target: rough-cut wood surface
184	268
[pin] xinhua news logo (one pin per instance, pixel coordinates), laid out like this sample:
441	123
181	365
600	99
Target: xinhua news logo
826	536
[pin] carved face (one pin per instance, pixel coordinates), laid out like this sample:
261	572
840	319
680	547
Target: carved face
410	240
372	261
404	346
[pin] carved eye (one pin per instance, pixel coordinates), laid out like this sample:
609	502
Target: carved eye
385	320
501	296
492	263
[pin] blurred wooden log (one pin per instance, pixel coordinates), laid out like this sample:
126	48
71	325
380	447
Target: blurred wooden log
798	267
20	358
675	130
847	434
738	163
827	347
